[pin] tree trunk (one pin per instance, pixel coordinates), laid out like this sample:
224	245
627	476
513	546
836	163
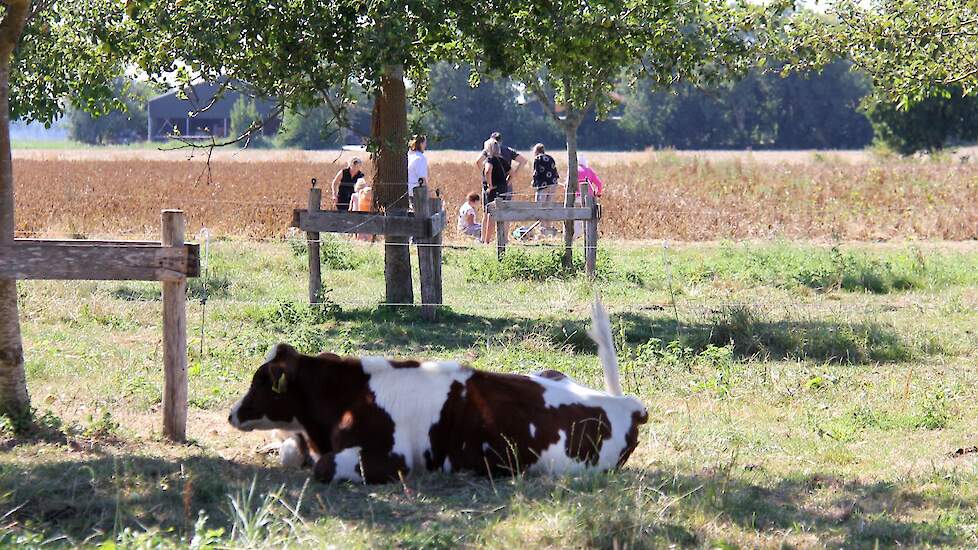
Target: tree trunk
14	399
389	132
570	125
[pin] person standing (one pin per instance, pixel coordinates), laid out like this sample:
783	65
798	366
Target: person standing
355	197
494	186
417	166
365	203
345	181
508	155
545	180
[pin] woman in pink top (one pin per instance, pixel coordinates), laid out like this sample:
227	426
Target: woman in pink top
587	175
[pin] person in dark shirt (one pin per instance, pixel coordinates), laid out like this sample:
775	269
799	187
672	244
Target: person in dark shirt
507	155
495	186
346	180
545	179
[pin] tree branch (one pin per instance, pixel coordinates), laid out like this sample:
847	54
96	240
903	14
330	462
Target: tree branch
37	7
961	77
213	143
224	86
544	99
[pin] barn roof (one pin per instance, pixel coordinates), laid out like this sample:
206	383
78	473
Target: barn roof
199	95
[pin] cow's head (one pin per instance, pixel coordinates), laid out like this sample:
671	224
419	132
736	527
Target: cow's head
271	401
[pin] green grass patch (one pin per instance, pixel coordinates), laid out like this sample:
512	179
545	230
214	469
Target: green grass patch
798	396
787	265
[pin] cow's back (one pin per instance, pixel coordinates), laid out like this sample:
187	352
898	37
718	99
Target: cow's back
503	423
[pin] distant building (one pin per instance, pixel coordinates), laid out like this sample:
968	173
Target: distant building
169	114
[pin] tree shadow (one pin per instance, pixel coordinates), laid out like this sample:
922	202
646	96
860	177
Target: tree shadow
640	508
749	335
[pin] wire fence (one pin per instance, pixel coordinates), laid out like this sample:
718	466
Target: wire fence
467	297
299	201
297	237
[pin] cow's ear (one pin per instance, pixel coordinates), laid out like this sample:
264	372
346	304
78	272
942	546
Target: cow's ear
281	353
282	361
280	385
280	374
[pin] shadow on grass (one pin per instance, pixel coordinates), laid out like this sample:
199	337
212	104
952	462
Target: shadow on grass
822	340
79	498
214	286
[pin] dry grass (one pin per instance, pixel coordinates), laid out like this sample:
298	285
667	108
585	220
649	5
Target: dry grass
684	196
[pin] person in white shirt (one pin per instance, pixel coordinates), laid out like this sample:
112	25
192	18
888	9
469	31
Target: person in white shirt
417	166
466	217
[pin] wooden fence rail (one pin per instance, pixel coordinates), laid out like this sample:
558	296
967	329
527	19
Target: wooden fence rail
504	211
171	261
403	224
105	260
425	226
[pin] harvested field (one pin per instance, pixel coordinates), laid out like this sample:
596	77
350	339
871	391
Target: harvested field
683	196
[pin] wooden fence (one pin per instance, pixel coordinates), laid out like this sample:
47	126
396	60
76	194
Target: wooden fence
504	211
425	225
171	261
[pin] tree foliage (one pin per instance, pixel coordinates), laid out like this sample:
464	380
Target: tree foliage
123	124
243	115
461	116
817	110
306	54
317	128
67	58
911	49
572	54
928	125
802	111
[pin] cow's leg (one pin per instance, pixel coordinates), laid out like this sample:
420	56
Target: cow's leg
293	452
356	465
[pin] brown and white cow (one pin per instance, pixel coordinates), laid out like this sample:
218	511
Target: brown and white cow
372	419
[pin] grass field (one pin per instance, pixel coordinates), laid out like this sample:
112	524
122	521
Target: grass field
801	395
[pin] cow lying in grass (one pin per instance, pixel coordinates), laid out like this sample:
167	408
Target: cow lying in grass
375	420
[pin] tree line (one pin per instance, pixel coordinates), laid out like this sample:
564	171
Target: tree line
832	108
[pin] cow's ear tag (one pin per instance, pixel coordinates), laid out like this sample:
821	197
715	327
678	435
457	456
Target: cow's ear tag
280	386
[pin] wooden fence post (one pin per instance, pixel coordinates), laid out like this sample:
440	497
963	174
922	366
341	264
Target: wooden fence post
437	206
174	336
429	255
501	236
315	277
590	237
